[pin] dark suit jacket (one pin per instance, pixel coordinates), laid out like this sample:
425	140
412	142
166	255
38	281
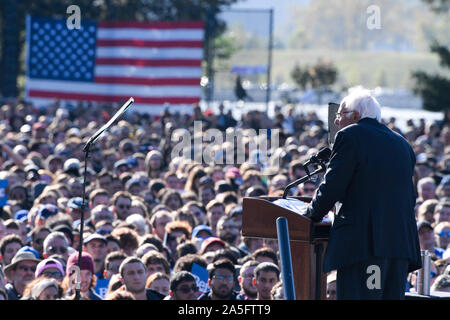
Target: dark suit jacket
370	172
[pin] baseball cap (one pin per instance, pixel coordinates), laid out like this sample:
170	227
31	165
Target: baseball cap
199	228
47	211
95	236
47	264
211	240
31	250
21	215
75	203
39	125
236	211
122	162
72	164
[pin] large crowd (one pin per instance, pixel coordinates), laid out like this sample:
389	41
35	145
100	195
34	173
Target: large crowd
162	226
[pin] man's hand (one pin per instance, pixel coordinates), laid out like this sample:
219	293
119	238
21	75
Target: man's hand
309	215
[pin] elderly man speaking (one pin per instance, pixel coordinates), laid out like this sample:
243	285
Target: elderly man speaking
373	241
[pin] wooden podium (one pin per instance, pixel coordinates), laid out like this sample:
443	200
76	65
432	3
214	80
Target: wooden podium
308	242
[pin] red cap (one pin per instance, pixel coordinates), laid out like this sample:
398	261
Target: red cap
87	263
211	240
39	125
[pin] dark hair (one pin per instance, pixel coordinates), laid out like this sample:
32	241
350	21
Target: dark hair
266	266
152	239
154	257
10	238
37	230
221	264
186	262
115	255
186	248
127	237
120	295
266	252
130	260
179	277
225	253
110	237
170	193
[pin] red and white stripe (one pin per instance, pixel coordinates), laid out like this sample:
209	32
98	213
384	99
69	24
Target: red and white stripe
153	62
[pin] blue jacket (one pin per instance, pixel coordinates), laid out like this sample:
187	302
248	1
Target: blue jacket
370	172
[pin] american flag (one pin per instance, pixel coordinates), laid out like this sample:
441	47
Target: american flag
156	63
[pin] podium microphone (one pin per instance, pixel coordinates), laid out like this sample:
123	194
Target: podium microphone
93	139
323	155
320	158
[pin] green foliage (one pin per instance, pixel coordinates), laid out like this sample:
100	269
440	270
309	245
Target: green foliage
322	74
434	89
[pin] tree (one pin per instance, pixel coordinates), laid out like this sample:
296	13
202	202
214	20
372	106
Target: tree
435	89
322	75
301	76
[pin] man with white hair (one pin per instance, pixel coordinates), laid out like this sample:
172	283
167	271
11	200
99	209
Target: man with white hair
426	189
373	241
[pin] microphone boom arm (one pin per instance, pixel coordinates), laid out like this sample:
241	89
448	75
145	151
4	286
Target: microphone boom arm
322	168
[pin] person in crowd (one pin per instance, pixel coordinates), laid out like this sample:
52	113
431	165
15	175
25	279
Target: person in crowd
265	276
183	286
277	292
19	273
87	277
9	246
43	288
134	275
159	282
248	289
221	281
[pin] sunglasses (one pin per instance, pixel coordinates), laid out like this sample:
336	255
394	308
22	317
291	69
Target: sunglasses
56	274
223	278
103	231
26	268
186	289
57	249
444	234
122	206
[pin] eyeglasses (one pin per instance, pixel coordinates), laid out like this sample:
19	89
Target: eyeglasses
56	274
444	234
57	249
186	289
122	206
27	268
339	114
223	278
103	231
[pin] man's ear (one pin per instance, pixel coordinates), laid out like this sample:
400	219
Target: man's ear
171	293
356	116
254	281
240	279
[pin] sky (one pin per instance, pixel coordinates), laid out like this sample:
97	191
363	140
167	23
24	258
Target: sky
281	10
